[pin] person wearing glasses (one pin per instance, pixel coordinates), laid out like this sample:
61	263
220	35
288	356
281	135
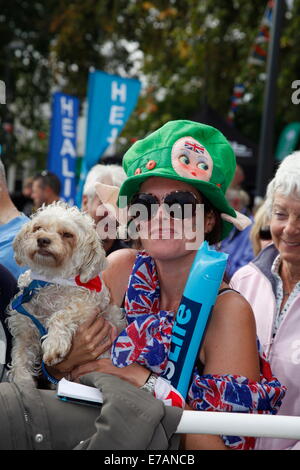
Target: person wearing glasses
271	283
170	174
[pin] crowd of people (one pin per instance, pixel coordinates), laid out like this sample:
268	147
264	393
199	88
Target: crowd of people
248	359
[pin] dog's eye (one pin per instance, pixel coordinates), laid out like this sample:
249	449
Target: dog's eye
36	229
67	235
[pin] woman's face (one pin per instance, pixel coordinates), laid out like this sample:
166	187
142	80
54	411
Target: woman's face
165	237
285	227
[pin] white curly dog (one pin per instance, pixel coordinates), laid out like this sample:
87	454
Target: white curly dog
63	250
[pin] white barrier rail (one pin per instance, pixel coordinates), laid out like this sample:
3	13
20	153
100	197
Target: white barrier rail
239	424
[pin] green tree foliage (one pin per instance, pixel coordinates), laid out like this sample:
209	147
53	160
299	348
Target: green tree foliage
25	40
192	51
186	52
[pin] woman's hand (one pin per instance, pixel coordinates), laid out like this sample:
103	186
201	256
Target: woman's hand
92	338
134	373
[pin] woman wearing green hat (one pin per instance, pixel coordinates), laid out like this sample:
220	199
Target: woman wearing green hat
185	164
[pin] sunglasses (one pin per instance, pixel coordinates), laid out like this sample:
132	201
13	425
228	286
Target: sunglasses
174	203
265	233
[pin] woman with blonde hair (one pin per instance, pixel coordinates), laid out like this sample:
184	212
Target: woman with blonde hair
260	234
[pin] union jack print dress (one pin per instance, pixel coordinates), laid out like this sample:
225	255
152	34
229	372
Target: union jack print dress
147	338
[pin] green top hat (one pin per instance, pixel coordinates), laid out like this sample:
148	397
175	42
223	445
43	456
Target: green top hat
185	151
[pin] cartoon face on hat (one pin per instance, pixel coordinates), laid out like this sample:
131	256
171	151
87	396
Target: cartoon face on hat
190	159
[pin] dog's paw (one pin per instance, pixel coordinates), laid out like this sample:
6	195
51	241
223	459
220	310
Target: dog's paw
53	353
53	358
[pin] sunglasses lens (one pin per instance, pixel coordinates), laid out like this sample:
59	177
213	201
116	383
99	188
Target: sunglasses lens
143	206
178	204
181	204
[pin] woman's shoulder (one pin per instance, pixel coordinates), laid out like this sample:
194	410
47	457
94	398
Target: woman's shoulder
232	308
120	261
232	300
124	255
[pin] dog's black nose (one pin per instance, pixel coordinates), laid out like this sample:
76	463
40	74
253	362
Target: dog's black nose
43	242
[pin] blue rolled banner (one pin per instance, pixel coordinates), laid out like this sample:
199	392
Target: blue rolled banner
62	146
111	100
196	305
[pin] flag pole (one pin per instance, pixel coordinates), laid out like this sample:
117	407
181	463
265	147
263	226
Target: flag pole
265	154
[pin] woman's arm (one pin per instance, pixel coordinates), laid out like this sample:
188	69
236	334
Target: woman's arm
230	345
134	373
229	348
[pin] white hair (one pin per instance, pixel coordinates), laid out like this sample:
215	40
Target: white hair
112	175
286	180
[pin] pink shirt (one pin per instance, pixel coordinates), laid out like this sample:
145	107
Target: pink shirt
282	350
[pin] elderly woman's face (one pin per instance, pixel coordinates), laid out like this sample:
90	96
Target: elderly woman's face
285	227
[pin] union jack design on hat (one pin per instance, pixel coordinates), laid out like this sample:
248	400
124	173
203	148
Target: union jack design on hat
194	147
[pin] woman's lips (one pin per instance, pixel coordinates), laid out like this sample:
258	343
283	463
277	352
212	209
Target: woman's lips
167	233
289	243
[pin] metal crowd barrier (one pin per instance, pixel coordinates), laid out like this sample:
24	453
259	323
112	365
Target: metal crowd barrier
239	424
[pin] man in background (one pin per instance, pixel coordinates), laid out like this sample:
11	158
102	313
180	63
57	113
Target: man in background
110	175
45	189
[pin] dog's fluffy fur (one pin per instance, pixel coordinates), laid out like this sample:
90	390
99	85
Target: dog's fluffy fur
58	242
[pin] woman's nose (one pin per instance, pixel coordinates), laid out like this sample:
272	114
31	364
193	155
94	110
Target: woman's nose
292	226
162	213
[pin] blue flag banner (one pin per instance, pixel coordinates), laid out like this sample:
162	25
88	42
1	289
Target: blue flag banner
111	100
62	147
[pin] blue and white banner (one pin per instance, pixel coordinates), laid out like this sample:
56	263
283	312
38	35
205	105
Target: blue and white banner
62	147
111	100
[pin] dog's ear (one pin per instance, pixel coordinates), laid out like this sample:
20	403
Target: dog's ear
18	244
94	258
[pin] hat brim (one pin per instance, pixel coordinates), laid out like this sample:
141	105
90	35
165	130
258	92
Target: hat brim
214	194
